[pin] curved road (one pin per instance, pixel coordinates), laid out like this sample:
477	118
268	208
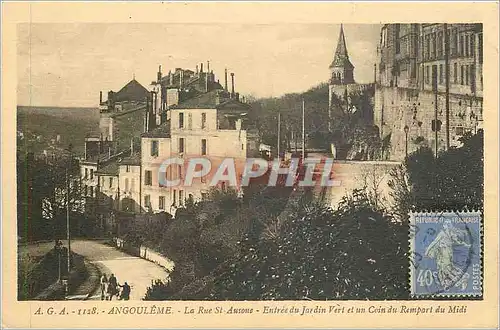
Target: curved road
137	272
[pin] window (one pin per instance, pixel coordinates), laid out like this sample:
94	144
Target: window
455	73
480	46
467	75
461	75
472	50
179	171
110	182
440	44
148	178
147	200
91	191
161	202
434	77
127	168
203	146
154	148
190	121
181	120
428	46
397	38
441	74
462	46
86	173
434	46
126	184
472	77
85	190
181	199
203	120
467	51
427	75
174	200
181	145
453	43
91	173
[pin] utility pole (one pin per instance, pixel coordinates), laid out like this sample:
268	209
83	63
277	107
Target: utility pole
435	89
447	72
68	235
279	134
303	131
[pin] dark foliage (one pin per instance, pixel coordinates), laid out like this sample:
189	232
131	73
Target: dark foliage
352	253
453	181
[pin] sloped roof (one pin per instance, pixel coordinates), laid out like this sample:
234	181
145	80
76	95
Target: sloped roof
341	58
134	159
162	131
210	100
133	91
109	169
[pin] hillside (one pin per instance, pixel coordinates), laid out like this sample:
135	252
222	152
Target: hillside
290	106
40	125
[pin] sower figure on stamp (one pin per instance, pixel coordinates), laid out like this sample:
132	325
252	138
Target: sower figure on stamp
441	250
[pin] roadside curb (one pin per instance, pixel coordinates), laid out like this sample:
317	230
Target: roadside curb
94	275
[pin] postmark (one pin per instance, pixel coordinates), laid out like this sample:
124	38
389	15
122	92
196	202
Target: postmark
446	254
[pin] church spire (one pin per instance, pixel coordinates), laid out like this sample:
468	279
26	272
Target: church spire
341	58
342	70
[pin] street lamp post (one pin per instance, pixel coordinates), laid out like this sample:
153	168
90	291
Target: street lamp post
406	129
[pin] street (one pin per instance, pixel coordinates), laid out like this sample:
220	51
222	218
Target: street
137	272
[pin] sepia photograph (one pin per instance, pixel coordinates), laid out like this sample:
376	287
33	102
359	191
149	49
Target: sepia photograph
249	162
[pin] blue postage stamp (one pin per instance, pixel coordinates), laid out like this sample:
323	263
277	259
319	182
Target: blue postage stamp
446	254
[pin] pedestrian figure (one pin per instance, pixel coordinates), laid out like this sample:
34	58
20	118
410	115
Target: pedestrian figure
125	294
104	283
112	286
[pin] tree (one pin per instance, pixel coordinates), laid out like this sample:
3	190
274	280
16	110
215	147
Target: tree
453	181
322	254
61	186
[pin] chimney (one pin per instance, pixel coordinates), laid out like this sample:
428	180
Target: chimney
206	82
171	77
100	97
159	75
197	69
225	80
146	116
181	78
375	73
232	84
208	66
201	67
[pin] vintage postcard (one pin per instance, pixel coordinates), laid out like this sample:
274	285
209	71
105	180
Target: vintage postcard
250	164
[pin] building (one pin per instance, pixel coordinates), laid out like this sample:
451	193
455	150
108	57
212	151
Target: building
342	83
428	72
211	124
185	114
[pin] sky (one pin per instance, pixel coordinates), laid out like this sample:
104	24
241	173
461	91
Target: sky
68	64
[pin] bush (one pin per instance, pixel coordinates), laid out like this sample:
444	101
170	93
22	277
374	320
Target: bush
322	254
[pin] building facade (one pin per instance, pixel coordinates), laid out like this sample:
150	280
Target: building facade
185	114
429	76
